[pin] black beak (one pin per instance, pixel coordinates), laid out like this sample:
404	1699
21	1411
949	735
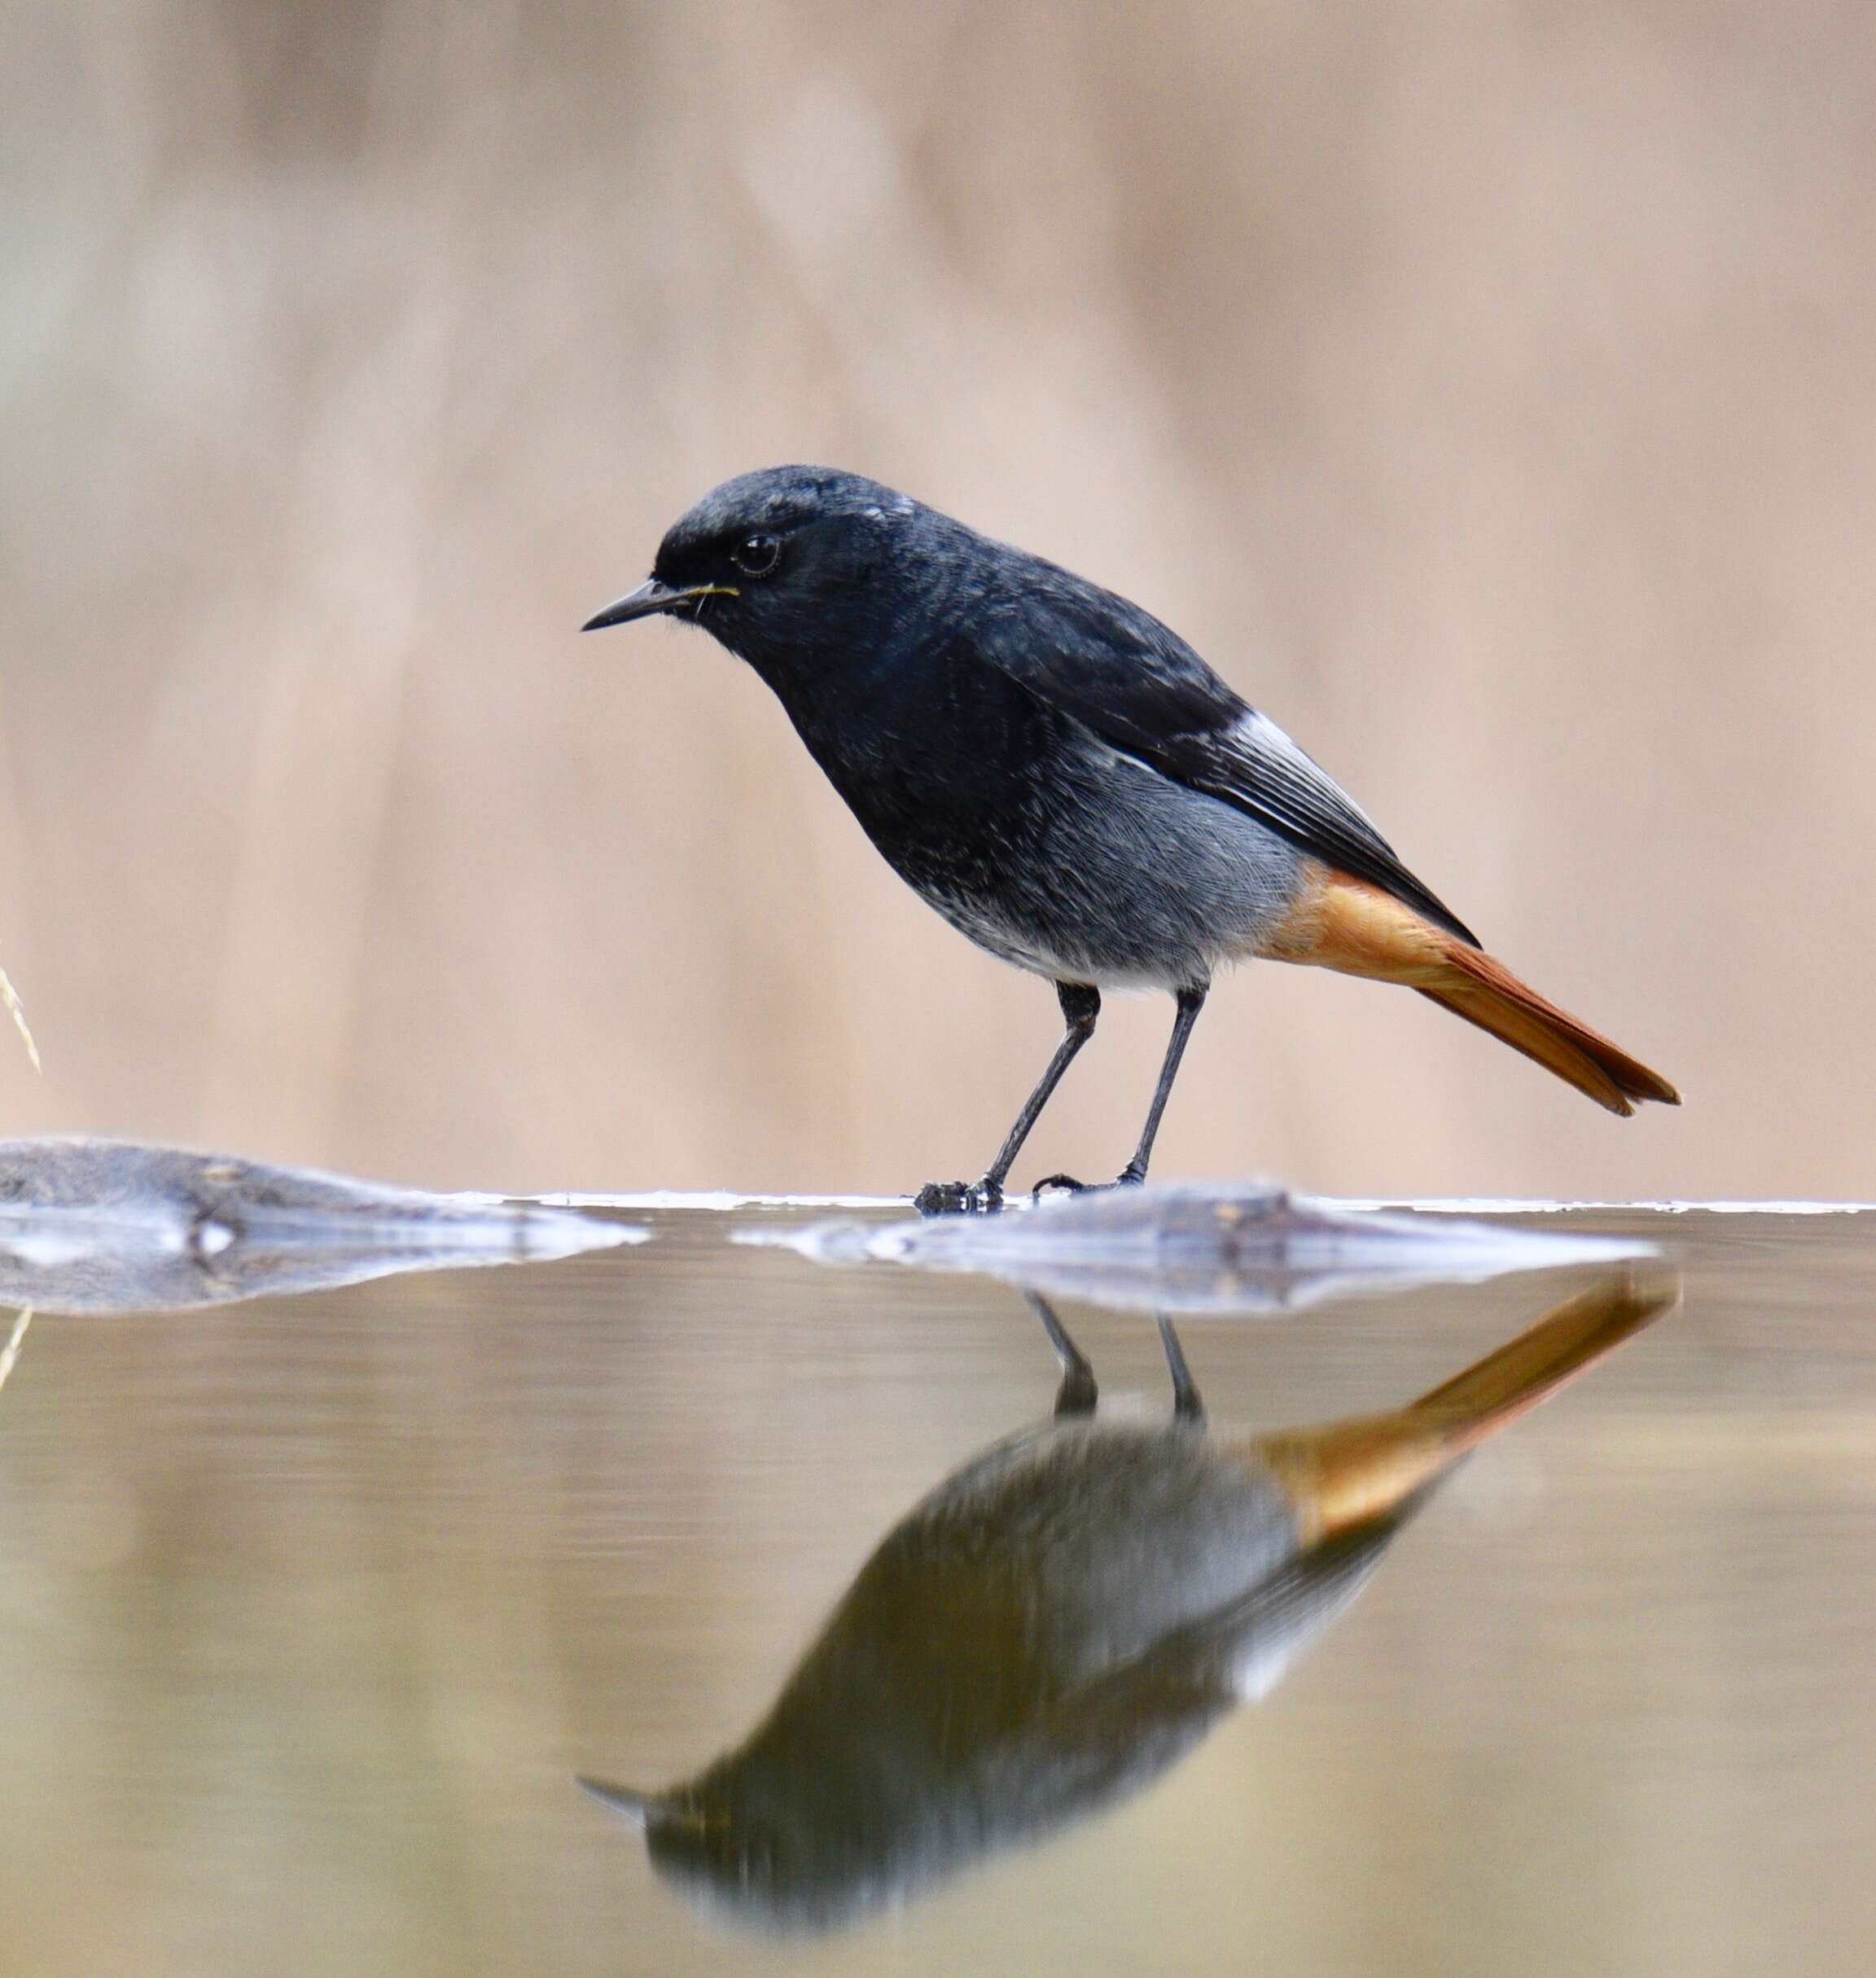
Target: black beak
651	598
637	1807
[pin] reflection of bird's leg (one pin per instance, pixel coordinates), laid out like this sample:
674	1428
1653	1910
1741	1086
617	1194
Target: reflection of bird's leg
1187	1404
1078	1391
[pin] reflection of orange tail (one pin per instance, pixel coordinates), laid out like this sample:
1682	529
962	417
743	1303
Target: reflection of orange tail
1347	924
1346	1473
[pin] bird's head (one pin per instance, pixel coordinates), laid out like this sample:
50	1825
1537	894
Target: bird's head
783	561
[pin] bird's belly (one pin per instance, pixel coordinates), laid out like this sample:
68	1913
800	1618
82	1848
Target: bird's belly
1112	874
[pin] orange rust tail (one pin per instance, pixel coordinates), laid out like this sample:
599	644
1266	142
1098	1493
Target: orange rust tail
1345	1473
1486	993
1346	924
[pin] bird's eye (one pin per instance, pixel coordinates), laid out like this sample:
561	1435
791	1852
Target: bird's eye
757	555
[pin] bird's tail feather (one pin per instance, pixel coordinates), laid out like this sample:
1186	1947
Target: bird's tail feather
1483	990
1357	928
1345	1473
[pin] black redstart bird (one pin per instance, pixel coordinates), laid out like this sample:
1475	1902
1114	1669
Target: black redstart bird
1065	1618
1065	779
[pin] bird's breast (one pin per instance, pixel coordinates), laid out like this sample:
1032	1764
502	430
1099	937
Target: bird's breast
937	759
1036	840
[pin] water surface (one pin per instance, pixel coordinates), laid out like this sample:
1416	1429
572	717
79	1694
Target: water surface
315	1607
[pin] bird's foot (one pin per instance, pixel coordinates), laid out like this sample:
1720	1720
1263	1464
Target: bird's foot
983	1198
1066	1184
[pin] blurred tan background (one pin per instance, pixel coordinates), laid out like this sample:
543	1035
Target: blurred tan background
1487	390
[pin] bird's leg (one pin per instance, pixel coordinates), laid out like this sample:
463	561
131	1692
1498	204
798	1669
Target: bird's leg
1078	1391
1191	1000
1080	1006
1187	1405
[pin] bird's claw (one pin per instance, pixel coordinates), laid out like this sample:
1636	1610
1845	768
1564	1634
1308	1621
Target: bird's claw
1066	1184
985	1198
982	1197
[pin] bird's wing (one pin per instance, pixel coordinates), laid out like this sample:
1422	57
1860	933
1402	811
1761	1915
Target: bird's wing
1141	689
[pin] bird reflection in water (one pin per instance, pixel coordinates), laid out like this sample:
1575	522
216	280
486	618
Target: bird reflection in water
1063	1618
